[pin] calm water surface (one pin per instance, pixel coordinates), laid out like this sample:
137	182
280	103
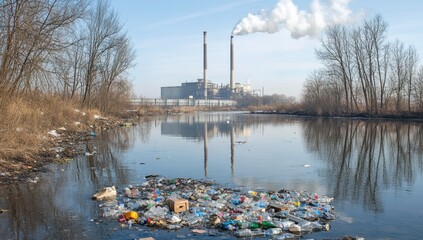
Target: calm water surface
373	169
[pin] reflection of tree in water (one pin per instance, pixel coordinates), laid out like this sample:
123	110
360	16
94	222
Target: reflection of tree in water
111	145
365	157
50	209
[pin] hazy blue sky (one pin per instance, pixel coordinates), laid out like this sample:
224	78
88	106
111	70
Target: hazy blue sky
168	39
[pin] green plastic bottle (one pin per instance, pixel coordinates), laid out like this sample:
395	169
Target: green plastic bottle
267	225
254	225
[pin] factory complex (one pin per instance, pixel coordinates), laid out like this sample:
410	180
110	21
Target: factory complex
204	89
195	90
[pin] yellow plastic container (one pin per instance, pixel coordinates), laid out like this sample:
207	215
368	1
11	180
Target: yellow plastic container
131	215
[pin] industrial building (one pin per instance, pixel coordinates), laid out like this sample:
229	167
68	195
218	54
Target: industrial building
204	89
195	90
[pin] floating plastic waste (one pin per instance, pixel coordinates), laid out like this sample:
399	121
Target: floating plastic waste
173	204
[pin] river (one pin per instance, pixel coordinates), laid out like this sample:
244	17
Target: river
372	168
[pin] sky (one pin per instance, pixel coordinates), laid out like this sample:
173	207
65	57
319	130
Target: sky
168	39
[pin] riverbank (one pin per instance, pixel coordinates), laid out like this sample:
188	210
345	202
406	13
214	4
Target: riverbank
385	116
39	131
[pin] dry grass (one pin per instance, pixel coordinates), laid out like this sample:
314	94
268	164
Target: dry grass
25	123
150	111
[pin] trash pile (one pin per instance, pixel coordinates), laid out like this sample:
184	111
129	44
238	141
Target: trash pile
201	204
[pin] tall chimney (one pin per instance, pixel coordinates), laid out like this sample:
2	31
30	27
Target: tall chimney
232	65
205	64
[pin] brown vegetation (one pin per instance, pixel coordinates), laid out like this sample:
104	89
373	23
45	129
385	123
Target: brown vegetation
56	57
364	73
25	142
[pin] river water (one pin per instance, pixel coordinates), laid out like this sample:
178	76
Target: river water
373	169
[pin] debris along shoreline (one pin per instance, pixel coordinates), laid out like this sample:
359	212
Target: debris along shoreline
204	207
59	145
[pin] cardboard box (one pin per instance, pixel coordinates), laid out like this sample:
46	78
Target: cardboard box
277	207
178	205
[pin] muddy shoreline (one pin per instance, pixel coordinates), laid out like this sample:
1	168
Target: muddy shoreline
57	149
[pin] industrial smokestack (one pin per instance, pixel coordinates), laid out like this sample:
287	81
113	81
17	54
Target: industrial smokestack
205	64
232	65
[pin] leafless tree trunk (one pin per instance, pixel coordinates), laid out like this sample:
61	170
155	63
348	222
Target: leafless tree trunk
335	54
32	36
411	63
377	28
399	73
104	35
418	89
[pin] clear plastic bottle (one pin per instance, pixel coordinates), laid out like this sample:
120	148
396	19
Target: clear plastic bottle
248	233
287	236
244	233
243	225
194	220
273	231
283	224
173	226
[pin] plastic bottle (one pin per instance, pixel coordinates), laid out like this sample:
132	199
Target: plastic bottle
306	227
236	200
287	236
248	233
295	218
250	225
243	225
130	222
228	225
110	213
194	220
328	216
273	231
173	195
261	204
283	224
294	228
173	226
244	233
267	225
133	205
211	191
254	225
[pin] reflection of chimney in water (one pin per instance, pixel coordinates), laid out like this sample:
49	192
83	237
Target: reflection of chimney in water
205	149
232	149
205	63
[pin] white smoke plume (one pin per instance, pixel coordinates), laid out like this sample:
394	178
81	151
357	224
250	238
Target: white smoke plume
299	22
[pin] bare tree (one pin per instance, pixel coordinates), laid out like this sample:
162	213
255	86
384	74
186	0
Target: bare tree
399	74
115	62
335	54
418	89
33	34
103	35
411	65
363	72
377	29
